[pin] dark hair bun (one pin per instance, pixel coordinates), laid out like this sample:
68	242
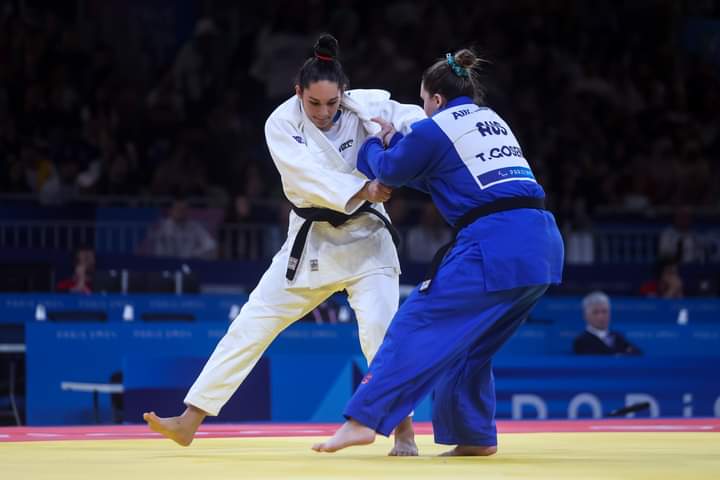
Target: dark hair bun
466	58
326	46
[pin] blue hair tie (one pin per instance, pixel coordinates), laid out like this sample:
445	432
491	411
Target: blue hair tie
457	69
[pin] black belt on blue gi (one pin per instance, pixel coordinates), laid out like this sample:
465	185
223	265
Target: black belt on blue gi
499	205
333	218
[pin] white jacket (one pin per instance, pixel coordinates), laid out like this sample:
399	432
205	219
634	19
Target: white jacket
314	174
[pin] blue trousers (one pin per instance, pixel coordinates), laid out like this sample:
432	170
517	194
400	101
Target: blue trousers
444	340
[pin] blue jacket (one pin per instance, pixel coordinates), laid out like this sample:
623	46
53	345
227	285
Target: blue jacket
465	156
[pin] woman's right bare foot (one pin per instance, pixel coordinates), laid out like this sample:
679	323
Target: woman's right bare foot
180	429
349	434
470	451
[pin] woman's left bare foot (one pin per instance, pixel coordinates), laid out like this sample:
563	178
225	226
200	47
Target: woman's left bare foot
404	440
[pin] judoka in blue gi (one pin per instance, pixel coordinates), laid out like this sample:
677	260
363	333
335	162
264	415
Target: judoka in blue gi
506	252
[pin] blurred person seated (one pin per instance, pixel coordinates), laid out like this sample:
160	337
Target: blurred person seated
598	339
667	282
679	240
179	236
83	271
424	239
326	312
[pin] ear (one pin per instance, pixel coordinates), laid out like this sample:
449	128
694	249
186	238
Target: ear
298	91
439	100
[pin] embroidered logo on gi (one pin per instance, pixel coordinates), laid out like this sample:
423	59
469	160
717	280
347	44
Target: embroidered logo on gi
346	145
314	267
460	113
366	378
299	139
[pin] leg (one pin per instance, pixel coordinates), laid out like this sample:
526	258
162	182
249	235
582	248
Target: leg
430	333
269	310
374	299
464	407
445	407
420	342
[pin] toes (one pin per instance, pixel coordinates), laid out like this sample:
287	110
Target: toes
319	447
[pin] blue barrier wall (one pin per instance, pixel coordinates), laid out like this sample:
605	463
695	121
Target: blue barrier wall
560	311
310	371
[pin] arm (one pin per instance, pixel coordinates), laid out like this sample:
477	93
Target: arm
390	137
408	160
624	346
303	176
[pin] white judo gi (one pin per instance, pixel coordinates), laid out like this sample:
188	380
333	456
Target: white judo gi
317	170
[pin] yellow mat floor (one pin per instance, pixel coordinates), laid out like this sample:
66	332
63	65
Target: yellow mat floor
653	456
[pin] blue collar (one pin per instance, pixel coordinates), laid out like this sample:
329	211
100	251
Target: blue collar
462	100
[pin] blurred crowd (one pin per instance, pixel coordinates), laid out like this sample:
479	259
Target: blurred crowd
611	102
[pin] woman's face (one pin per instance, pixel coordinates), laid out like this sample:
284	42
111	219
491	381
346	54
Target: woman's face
321	101
431	103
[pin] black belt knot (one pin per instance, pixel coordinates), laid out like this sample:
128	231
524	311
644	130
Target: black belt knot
335	219
499	205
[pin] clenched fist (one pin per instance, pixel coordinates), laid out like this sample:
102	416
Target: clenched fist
376	192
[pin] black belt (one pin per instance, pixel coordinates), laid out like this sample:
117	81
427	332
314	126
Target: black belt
499	205
333	218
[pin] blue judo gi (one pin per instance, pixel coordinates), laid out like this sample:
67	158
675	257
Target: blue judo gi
464	156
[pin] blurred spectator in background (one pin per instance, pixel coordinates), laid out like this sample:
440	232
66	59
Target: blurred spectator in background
179	236
679	240
326	312
83	271
667	282
200	68
96	106
598	339
183	172
279	44
425	239
579	237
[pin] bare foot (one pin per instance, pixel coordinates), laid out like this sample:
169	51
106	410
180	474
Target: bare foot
349	434
404	440
470	451
179	429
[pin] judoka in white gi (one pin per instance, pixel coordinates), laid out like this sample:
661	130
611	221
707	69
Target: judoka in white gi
313	138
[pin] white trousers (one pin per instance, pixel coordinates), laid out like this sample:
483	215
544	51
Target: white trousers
270	309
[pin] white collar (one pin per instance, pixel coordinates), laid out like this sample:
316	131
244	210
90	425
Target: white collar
601	334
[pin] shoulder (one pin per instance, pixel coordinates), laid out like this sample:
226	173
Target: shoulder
429	130
369	95
287	112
